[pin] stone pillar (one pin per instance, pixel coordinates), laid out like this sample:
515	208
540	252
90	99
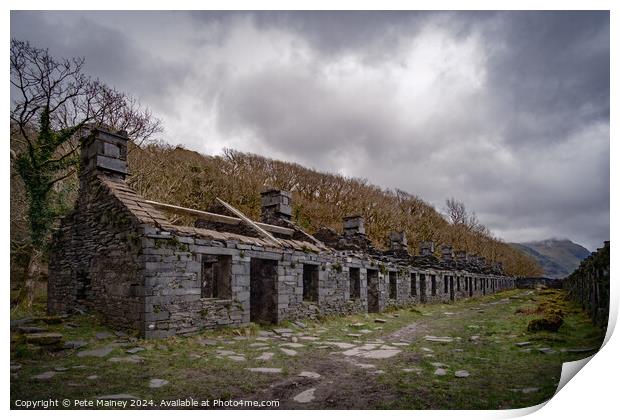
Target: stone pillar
461	256
427	248
353	225
275	205
398	241
103	152
446	253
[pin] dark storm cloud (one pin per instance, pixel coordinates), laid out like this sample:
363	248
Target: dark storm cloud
507	111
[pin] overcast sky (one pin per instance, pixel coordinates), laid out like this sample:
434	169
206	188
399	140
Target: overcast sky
508	111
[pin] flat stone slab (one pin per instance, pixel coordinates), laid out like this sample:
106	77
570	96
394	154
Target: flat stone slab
583	350
44	338
380	321
265	370
309	338
237	358
226	352
340	345
118	397
45	375
281	331
409	370
92	377
265	356
400	344
523	343
311	375
75	344
127	359
546	350
305	396
31	330
207	342
61	369
440	372
379	354
101	352
293	345
461	374
103	335
288	352
439	365
435	339
157	383
357	325
526	390
135	350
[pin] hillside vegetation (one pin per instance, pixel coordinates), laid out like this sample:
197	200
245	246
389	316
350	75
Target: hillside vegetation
182	177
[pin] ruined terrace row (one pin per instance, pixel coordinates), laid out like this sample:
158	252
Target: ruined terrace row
118	254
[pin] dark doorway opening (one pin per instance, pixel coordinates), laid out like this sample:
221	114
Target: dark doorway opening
471	291
451	287
423	288
354	283
373	290
393	285
263	280
311	283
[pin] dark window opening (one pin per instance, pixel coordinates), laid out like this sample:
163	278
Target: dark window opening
423	288
216	276
372	277
433	285
445	284
393	286
414	291
458	284
354	283
311	283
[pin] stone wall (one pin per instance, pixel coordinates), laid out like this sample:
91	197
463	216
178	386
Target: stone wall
117	255
589	285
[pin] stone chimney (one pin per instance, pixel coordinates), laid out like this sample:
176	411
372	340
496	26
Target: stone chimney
353	225
103	152
275	205
446	253
427	248
398	241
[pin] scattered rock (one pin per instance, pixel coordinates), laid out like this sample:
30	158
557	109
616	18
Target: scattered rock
207	342
461	374
31	330
305	396
225	352
120	334
126	359
426	349
265	356
526	390
583	350
237	358
15	368
379	354
92	377
546	350
157	383
357	325
44	338
523	343
343	346
440	372
61	369
380	321
434	339
288	352
311	375
400	344
117	397
474	338
308	338
354	335
265	370
292	345
439	365
299	324
45	375
135	350
409	370
281	331
101	352
103	335
75	344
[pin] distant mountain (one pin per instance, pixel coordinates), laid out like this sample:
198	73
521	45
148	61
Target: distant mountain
557	257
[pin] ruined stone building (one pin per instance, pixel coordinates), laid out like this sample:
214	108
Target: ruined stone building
119	255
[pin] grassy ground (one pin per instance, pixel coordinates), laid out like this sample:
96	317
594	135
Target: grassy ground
484	334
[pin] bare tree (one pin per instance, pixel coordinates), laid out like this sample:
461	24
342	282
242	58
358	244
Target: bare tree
52	100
